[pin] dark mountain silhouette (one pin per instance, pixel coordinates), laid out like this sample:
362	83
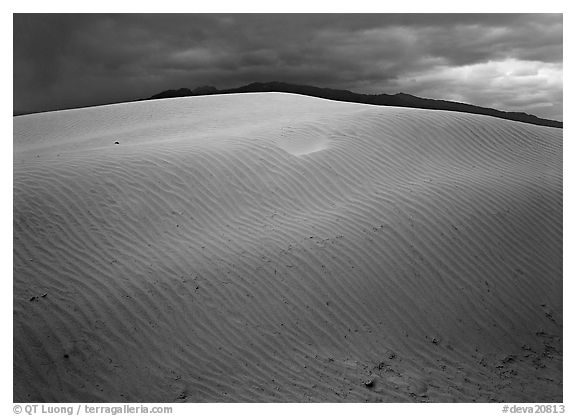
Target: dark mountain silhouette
398	100
182	92
205	90
187	92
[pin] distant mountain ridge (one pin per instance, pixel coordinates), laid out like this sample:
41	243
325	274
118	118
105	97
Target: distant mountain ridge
397	100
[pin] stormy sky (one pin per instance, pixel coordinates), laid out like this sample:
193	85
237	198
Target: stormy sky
504	61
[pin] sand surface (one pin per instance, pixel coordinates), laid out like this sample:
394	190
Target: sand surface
274	247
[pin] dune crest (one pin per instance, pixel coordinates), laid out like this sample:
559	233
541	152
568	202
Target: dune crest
275	247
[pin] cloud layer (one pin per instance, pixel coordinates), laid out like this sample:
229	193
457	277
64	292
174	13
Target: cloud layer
508	62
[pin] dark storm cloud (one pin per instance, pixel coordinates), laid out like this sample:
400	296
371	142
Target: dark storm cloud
512	62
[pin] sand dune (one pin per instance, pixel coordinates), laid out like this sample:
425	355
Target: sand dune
274	247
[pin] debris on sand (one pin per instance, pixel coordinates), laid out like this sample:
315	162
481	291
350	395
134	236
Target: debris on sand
37	298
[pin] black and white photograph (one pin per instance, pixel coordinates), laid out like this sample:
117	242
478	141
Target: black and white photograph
287	208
